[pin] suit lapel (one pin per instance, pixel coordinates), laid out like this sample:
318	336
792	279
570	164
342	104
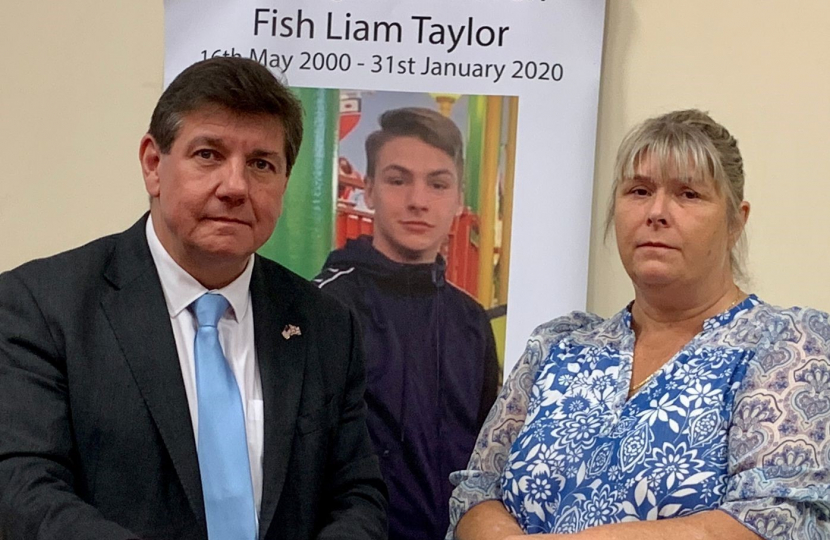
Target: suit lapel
137	311
281	362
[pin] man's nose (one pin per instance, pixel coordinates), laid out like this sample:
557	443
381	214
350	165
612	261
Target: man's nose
234	182
418	195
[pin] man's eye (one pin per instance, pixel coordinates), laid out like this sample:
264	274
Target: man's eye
395	181
440	186
206	154
262	165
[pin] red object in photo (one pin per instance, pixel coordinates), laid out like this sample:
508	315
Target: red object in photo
349	114
462	252
351	223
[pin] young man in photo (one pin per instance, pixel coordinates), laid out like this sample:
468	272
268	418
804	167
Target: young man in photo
432	371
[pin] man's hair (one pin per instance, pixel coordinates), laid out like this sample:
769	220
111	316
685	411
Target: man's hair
241	86
430	126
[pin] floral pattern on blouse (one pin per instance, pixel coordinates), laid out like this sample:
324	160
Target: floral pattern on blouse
736	420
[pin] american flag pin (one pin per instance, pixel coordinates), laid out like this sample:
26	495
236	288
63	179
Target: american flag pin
291	330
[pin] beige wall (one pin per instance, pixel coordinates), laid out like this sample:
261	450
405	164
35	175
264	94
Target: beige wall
79	80
760	67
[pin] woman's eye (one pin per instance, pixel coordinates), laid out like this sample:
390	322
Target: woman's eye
689	194
639	191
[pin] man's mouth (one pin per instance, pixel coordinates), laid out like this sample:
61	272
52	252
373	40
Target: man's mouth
224	219
415	225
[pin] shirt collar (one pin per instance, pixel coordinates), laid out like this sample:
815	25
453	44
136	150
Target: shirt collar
181	289
715	321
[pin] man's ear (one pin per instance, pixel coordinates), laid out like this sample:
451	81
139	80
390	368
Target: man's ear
149	155
369	192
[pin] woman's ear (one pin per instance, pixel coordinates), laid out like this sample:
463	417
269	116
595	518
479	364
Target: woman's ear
741	218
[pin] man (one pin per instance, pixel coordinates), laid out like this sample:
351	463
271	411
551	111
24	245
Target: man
431	361
166	382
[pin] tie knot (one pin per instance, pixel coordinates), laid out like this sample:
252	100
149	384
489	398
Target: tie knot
209	308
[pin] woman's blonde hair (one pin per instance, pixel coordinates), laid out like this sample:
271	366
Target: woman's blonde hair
692	145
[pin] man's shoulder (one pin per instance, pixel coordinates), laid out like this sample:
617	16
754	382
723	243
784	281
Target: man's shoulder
463	301
66	267
66	285
347	269
336	276
306	293
343	282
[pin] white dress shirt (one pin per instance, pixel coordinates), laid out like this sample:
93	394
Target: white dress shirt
236	335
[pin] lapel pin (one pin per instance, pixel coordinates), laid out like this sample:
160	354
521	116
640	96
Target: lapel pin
291	330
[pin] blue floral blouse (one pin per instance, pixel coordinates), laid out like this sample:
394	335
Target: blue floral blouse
736	420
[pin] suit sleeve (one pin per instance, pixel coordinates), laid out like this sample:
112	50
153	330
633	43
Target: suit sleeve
37	455
357	494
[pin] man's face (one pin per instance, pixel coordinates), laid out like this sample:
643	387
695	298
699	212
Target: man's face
415	194
216	196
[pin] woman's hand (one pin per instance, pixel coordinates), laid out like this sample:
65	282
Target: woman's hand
489	520
540	536
710	524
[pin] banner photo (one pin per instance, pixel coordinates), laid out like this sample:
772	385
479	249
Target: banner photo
443	191
520	78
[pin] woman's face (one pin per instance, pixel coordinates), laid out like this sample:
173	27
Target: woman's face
672	230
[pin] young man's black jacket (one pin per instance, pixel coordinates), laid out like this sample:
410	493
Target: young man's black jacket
432	375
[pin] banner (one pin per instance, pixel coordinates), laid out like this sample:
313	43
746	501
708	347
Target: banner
442	191
519	77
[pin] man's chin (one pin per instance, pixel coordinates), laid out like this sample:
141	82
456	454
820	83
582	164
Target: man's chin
229	252
417	252
405	248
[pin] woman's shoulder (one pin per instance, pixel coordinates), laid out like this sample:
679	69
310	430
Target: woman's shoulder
793	324
564	324
574	323
787	343
549	334
781	407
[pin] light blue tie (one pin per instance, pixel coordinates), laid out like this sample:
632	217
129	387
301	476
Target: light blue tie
223	446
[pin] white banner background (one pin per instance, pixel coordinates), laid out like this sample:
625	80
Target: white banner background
557	118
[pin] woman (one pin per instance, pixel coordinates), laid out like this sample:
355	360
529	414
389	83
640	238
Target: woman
697	402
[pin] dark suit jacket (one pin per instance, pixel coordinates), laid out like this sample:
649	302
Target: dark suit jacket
95	433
